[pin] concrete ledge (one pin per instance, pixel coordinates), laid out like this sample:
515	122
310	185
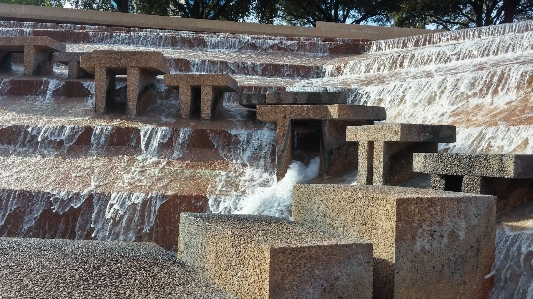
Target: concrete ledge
386	150
294	98
371	32
207	89
62	15
268	257
509	177
38	51
427	243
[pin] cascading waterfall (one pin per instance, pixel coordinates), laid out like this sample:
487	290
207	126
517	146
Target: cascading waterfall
47	140
100	138
181	138
152	138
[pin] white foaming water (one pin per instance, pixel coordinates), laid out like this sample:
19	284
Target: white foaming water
89	85
152	138
100	138
49	87
47	140
181	138
512	271
112	217
276	200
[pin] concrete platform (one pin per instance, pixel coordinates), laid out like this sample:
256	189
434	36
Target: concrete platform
509	177
386	150
333	122
141	68
203	89
427	243
38	52
267	257
37	268
72	60
294	98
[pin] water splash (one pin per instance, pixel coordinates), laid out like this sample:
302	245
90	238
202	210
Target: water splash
47	140
181	139
100	138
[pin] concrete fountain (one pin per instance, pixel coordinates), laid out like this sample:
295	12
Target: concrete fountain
109	163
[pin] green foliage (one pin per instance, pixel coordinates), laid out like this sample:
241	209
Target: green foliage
54	3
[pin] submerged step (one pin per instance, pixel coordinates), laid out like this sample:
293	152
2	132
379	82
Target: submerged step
36	268
427	243
268	257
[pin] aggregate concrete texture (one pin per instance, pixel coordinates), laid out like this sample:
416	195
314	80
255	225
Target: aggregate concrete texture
141	68
507	176
294	98
206	89
38	52
386	150
268	257
427	243
334	120
38	268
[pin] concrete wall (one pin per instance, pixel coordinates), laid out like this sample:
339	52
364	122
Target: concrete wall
63	15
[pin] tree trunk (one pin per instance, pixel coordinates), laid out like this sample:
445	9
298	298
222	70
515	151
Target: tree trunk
509	10
122	5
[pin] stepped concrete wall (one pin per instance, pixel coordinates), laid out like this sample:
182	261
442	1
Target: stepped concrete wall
63	15
427	243
268	257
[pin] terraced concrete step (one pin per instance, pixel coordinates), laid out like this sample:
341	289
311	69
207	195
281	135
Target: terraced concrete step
36	268
106	198
268	257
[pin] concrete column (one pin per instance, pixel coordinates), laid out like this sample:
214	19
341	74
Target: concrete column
185	92
365	170
474	184
104	89
284	148
138	80
438	182
37	61
208	101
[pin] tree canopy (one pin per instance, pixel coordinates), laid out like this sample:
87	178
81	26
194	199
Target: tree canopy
441	14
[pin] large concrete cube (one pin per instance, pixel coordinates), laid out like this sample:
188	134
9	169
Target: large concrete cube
427	243
267	257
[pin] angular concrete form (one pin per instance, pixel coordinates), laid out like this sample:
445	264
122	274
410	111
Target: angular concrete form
386	150
206	89
427	243
256	257
38	52
294	98
334	120
140	67
72	60
509	177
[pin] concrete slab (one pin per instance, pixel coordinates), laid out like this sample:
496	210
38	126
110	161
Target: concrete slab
72	60
206	89
37	268
334	120
141	68
509	177
268	257
386	150
38	51
427	243
294	98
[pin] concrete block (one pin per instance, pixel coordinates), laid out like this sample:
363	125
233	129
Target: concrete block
141	68
334	120
268	257
427	243
203	89
38	52
509	177
386	150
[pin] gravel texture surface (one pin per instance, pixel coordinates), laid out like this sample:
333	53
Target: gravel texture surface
37	268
